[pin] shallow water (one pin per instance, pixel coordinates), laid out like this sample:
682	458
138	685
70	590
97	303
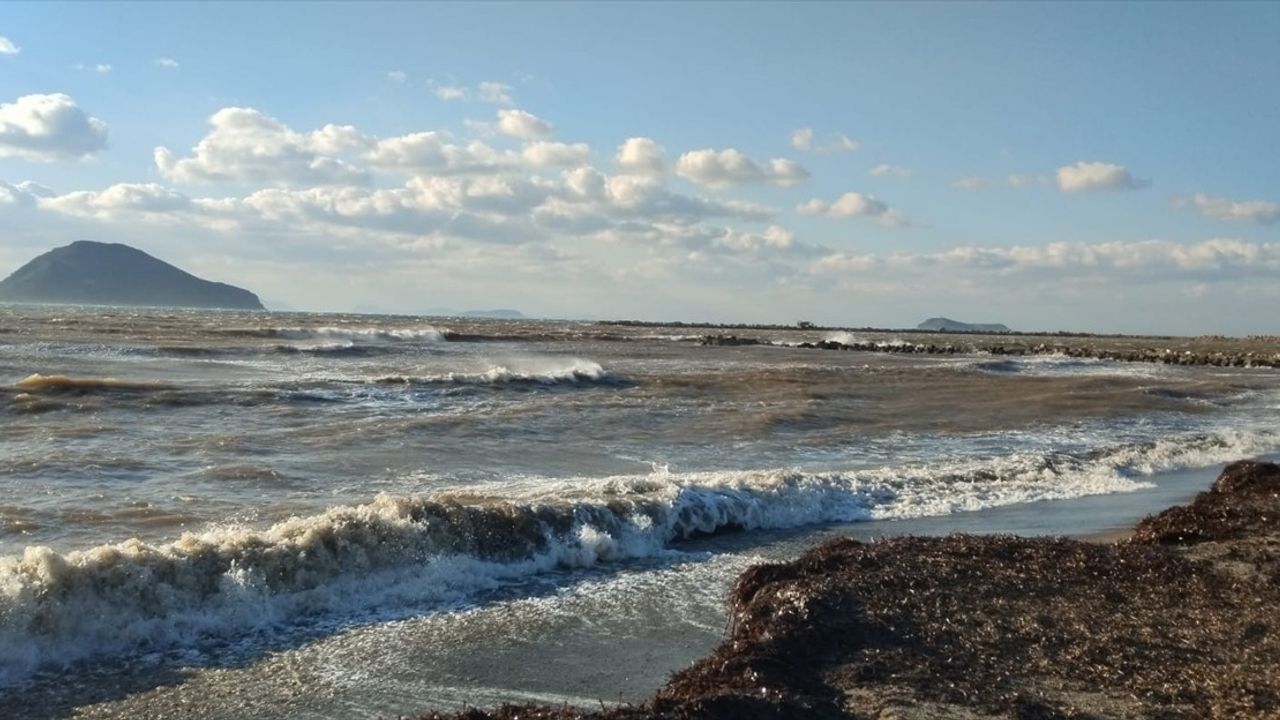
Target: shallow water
196	498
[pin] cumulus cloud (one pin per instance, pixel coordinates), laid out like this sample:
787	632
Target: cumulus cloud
641	156
139	200
1220	258
7	47
494	92
1086	176
450	92
399	77
1260	212
542	153
244	144
488	91
100	68
23	194
852	205
723	168
166	62
887	170
804	139
49	127
522	124
974	183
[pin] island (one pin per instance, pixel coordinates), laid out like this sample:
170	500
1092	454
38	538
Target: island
941	324
94	273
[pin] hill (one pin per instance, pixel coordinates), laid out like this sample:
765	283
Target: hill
92	273
503	314
941	324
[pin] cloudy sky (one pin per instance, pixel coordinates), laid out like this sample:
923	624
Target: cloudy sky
1076	166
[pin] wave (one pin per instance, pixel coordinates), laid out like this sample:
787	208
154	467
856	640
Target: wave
1060	365
348	334
54	384
532	373
399	551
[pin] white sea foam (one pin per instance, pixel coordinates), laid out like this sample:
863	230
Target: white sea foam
358	334
542	371
1064	365
399	551
843	337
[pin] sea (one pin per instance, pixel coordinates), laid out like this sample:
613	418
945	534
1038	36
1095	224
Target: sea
246	514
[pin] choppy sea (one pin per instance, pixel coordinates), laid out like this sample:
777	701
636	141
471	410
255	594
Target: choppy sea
212	514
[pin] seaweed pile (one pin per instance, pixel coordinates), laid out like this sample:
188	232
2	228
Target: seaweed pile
1178	621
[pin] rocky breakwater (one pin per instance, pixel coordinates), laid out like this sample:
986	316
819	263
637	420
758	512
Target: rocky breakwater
1165	355
1180	620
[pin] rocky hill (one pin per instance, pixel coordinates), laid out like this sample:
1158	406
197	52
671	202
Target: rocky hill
92	273
941	324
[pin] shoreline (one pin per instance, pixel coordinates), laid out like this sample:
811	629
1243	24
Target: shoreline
1172	618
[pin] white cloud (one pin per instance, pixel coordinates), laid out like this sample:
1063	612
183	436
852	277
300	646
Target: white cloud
723	168
1085	176
974	183
100	68
1250	211
7	47
852	205
1020	180
804	139
542	153
244	145
487	91
494	92
49	127
522	124
1217	258
641	156
137	200
450	92
399	77
887	170
841	143
166	62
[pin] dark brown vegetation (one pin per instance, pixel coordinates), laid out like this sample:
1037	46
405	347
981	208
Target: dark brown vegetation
1182	620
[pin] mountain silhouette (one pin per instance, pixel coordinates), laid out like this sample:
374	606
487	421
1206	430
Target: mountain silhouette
93	273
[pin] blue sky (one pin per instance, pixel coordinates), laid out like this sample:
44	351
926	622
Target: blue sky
1081	166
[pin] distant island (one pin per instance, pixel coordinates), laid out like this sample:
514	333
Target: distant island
495	314
93	273
941	324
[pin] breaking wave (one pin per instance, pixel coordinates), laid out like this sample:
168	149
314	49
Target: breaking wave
52	384
398	551
347	334
536	373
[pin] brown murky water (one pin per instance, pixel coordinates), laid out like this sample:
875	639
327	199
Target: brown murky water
183	493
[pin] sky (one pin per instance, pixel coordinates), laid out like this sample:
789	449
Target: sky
1077	166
